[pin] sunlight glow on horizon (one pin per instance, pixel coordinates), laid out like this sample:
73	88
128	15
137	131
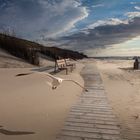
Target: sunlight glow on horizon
127	48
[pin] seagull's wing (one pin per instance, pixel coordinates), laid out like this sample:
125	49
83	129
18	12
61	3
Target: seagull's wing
48	83
75	83
56	81
47	74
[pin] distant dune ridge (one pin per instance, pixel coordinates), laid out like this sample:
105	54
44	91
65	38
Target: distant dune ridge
9	61
30	51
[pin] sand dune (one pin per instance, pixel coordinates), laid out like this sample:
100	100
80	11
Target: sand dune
123	90
30	109
9	61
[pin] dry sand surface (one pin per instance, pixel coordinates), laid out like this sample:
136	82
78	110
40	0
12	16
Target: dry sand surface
122	85
30	109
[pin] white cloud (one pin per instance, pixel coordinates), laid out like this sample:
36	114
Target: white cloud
98	5
137	7
64	16
110	21
49	18
60	17
85	32
133	14
133	2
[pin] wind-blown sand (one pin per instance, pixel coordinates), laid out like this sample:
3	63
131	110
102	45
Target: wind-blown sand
30	109
122	85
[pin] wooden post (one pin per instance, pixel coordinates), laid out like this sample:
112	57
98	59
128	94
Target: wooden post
136	64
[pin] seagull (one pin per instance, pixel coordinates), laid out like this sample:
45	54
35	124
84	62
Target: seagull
56	81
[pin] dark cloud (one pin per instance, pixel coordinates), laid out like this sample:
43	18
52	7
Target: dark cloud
102	23
33	18
102	36
21	8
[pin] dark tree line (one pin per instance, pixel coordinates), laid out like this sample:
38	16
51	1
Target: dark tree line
29	51
19	49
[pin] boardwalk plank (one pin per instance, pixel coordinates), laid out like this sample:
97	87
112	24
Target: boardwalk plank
91	118
86	125
91	130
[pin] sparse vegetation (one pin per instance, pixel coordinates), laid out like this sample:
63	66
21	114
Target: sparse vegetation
29	50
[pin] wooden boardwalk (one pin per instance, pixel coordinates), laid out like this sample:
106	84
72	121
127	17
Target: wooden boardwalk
91	118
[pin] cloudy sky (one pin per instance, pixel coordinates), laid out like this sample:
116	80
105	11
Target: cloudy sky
95	27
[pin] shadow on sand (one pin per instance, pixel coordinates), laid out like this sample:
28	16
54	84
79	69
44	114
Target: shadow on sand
43	69
9	132
49	70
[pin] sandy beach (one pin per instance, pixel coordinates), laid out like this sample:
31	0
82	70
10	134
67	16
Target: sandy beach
30	109
43	96
122	87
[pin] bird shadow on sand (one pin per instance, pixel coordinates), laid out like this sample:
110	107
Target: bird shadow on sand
48	69
11	132
43	69
36	70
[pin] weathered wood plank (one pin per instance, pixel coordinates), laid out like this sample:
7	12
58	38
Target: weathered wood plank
75	138
91	130
91	135
91	121
91	118
88	125
94	112
100	106
81	134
